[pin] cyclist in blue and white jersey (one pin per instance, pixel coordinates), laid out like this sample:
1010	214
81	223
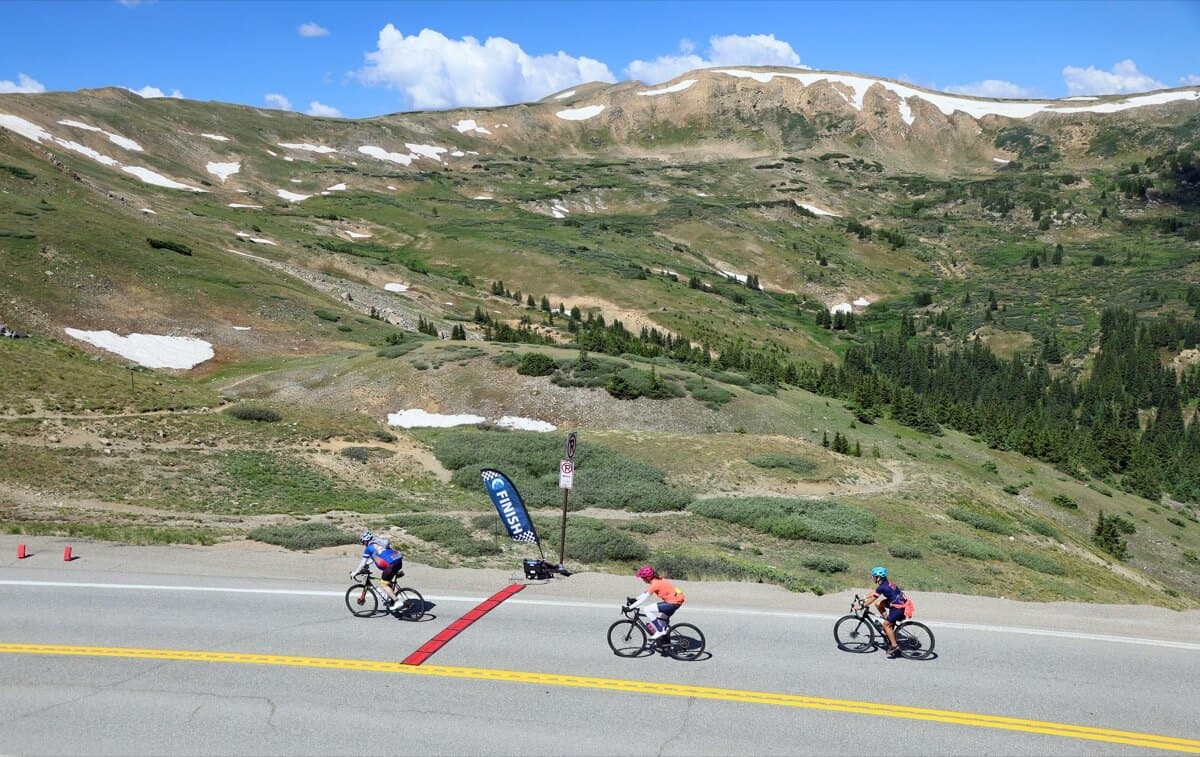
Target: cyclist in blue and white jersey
378	550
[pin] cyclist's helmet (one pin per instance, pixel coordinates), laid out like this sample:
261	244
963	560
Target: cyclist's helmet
645	572
880	572
367	537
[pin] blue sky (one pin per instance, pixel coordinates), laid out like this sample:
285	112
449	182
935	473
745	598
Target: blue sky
363	59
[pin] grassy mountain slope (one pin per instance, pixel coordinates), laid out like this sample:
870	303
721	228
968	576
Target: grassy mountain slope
1018	232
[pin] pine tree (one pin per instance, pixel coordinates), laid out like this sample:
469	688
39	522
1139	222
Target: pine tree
1107	536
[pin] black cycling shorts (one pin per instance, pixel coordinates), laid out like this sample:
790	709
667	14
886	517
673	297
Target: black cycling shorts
390	571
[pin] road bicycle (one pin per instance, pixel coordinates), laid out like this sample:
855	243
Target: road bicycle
364	598
628	637
862	631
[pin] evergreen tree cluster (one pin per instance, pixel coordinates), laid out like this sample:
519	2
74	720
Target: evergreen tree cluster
1093	428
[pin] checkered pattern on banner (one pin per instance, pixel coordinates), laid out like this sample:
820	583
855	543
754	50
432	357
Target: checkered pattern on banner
528	537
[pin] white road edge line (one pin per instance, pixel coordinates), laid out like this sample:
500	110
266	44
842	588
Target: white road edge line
1046	632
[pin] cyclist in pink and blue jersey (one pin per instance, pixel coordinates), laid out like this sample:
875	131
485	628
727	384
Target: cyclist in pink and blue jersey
892	600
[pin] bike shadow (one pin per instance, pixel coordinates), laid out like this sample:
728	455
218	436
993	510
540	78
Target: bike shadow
910	656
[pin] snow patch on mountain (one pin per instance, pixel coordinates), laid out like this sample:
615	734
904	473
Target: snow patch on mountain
149	350
580	114
817	211
223	170
116	139
382	154
321	149
468	124
668	90
158	180
215	137
291	196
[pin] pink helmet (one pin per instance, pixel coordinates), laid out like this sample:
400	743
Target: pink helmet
645	572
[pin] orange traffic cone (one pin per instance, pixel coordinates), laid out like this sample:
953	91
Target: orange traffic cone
67	556
21	552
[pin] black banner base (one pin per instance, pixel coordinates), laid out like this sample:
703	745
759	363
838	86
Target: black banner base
542	570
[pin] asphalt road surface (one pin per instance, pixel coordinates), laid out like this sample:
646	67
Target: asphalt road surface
188	651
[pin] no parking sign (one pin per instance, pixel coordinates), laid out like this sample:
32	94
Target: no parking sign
566	474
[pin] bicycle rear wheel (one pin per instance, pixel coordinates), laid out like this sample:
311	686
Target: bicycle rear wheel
685	642
626	638
361	601
914	639
410	604
853	634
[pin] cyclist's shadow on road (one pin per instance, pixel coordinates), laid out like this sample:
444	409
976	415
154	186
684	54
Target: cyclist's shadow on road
417	612
909	656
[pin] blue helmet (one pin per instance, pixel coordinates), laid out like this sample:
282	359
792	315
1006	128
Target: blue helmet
879	572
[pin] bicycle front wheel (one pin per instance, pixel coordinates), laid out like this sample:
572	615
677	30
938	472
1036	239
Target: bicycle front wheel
410	605
914	639
626	638
685	642
361	601
853	634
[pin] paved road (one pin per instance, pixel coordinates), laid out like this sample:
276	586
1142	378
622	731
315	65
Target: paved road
782	687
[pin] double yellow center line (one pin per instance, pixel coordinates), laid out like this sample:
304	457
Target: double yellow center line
1108	735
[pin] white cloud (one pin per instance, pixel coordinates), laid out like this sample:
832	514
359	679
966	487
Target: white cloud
727	50
995	88
278	102
312	30
135	3
1123	78
23	84
149	92
434	71
1191	80
326	111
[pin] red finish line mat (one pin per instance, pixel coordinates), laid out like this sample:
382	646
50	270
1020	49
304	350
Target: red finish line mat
430	647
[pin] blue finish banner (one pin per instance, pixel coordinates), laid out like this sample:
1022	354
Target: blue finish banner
509	504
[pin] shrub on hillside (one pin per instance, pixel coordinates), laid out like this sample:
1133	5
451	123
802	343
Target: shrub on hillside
325	315
631	383
712	396
166	244
536	364
795	519
593	541
447	532
1040	563
642	526
254	413
603	477
20	173
981	521
396	350
1039	526
357	454
794	463
1064	501
588	371
304	536
692	567
904	552
965	546
825	564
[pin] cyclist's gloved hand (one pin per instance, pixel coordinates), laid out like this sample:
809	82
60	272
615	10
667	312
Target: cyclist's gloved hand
355	573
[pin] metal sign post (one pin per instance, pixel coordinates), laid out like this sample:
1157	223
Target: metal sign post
566	479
